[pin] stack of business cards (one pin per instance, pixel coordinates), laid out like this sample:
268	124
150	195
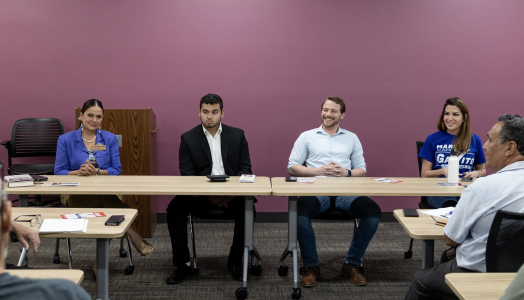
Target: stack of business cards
247	178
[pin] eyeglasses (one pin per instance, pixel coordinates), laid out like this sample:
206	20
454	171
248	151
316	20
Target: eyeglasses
439	222
34	219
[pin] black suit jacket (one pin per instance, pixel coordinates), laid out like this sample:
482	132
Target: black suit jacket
195	155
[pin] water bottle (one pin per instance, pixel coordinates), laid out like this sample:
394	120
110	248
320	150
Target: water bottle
453	167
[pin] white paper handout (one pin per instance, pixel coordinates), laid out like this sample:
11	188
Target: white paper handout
441	212
63	225
61	184
306	179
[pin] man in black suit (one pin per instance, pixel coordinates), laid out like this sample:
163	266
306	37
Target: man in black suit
210	148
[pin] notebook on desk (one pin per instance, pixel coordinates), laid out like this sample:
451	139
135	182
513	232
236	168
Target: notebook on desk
63	225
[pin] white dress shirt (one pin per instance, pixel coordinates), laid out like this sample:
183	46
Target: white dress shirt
216	152
471	220
316	148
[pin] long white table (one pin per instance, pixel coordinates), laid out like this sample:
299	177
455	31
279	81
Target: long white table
355	186
155	185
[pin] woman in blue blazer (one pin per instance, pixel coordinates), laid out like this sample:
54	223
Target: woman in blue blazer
90	151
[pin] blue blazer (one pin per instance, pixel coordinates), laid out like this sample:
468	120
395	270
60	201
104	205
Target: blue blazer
71	153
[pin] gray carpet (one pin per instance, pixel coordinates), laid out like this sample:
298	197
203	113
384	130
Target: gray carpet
387	272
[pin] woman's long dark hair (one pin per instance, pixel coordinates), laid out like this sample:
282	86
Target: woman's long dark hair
90	103
463	138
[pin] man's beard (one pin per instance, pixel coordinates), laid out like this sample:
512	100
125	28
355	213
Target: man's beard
212	125
335	123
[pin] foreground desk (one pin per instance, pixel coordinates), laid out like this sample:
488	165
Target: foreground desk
75	276
479	286
160	185
422	228
350	186
96	229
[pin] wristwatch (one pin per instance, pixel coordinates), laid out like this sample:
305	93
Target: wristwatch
349	173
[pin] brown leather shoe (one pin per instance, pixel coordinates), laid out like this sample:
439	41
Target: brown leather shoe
352	272
311	276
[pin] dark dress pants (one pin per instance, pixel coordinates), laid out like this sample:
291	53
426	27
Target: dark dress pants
181	206
430	284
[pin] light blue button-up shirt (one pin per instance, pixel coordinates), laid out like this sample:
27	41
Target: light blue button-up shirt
471	220
315	148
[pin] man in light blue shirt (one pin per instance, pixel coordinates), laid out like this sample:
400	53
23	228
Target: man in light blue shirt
334	152
468	229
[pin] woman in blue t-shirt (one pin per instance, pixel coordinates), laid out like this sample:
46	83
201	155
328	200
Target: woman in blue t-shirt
454	132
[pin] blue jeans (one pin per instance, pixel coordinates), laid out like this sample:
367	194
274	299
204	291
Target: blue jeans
438	201
363	208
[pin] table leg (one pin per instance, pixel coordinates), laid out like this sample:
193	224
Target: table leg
248	234
428	248
23	201
102	269
292	236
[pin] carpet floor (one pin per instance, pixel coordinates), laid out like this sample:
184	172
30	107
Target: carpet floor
386	270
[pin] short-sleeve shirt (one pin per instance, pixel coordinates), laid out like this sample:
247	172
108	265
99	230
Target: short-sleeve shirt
437	149
315	148
15	288
471	220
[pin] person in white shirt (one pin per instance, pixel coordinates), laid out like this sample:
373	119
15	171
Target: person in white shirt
469	227
332	151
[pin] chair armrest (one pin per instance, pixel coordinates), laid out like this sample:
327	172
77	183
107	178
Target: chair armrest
6	143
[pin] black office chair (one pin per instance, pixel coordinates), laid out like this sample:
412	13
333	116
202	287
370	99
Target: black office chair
35	137
216	214
505	246
423	204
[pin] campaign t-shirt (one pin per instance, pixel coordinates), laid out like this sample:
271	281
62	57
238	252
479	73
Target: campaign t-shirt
437	149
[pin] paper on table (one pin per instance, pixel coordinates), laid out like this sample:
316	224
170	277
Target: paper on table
387	180
441	212
306	179
61	184
86	215
63	225
247	178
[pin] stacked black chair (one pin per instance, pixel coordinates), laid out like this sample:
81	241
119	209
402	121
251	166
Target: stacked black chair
423	204
36	137
505	246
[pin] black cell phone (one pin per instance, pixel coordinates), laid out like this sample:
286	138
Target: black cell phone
38	178
466	179
291	179
410	212
218	178
115	220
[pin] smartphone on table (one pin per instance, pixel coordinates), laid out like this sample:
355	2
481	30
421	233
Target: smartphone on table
410	212
115	220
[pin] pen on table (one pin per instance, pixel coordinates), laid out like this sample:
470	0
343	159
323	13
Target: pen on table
446	216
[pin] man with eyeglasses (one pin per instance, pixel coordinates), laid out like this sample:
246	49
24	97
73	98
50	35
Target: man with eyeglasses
13	287
468	229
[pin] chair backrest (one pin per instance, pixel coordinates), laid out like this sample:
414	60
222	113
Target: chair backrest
419	146
505	246
423	200
35	137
